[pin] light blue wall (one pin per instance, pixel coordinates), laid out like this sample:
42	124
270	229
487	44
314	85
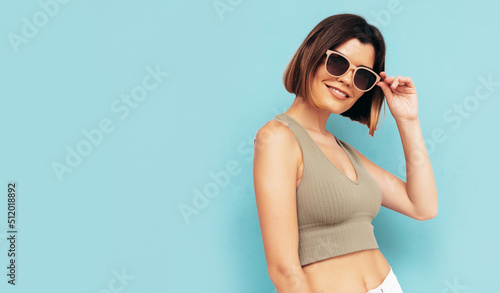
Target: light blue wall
66	66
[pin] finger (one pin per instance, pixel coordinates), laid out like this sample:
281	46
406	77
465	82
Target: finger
385	77
386	89
406	81
388	80
395	83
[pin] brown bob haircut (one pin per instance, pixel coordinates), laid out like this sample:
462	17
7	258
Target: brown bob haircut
328	34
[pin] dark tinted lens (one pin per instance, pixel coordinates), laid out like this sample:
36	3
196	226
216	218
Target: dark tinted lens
337	65
364	79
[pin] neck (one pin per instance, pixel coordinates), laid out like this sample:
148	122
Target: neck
309	116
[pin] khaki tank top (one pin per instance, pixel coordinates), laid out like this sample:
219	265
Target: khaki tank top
334	213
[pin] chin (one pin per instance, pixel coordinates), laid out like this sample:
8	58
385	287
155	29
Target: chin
335	107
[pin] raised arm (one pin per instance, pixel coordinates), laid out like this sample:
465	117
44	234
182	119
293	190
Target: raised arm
276	159
418	196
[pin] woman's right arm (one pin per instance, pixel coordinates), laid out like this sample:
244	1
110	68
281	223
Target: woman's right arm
276	159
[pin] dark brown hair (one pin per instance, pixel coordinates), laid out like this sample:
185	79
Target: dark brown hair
328	34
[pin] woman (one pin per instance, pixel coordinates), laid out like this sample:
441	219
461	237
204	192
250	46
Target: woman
316	195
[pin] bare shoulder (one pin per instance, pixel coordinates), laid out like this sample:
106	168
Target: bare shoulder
275	135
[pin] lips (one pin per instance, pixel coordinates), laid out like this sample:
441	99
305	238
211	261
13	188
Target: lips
331	90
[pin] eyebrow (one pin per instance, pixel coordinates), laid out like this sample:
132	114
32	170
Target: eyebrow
359	65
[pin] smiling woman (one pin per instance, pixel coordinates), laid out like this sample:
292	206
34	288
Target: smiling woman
360	43
317	195
338	65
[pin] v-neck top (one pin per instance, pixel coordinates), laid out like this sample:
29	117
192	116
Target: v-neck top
334	213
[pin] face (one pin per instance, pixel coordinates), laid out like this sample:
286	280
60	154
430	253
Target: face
324	96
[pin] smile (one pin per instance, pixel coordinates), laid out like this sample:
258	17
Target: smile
339	94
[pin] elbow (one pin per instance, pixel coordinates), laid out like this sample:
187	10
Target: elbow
429	215
426	212
289	279
425	218
278	273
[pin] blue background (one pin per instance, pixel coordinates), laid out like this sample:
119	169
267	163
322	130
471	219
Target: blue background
118	210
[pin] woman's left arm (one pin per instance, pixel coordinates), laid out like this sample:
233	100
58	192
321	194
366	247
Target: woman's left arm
420	183
401	96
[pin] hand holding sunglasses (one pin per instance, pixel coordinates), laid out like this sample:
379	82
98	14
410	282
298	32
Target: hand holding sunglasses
401	96
400	92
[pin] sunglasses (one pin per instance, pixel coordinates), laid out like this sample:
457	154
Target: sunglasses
337	64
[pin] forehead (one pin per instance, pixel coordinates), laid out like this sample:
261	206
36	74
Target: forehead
357	52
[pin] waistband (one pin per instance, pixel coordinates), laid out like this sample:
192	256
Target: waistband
386	284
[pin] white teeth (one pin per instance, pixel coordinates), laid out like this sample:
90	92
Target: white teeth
338	92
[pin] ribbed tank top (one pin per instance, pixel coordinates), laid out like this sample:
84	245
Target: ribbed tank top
334	212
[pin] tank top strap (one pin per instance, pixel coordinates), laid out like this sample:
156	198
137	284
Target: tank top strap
311	153
298	130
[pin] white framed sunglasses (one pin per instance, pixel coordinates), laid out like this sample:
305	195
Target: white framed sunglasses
337	64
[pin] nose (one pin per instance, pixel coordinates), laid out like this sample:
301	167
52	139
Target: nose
347	78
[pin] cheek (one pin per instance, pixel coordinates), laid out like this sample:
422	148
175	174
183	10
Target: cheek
358	94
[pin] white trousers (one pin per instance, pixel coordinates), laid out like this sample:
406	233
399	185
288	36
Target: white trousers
389	285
